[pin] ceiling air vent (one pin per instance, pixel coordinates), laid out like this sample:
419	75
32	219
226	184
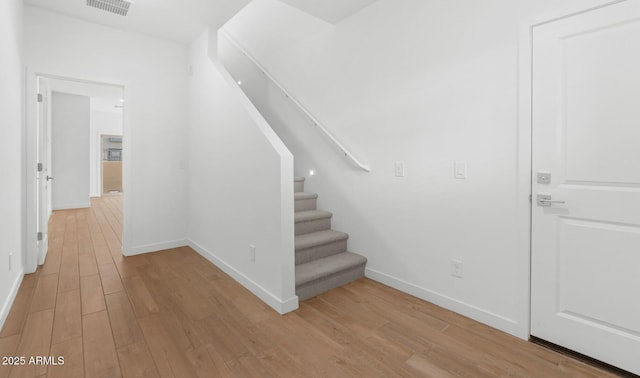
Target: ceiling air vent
120	7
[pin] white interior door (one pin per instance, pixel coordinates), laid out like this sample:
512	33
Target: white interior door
586	135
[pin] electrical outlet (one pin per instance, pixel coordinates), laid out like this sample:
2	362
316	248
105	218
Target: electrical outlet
456	268
252	252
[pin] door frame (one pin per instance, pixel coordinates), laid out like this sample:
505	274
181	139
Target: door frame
31	130
524	139
44	136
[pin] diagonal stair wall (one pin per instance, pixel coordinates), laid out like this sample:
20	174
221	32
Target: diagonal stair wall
240	192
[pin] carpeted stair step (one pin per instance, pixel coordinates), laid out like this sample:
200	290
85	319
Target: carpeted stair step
318	245
298	184
312	221
305	201
318	276
321	256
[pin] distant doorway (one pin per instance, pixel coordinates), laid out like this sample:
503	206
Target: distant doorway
111	164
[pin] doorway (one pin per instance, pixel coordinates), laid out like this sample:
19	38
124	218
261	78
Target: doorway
111	165
54	113
585	215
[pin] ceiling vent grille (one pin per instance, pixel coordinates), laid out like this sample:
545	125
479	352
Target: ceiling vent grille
120	7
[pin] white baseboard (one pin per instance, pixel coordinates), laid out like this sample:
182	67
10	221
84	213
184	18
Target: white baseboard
69	206
155	247
6	306
281	306
483	316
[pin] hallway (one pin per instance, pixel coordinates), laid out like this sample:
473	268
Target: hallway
174	314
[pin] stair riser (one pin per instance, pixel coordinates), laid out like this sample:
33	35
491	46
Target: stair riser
312	226
298	186
318	252
305	204
314	288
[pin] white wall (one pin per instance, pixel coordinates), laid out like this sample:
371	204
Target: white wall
154	73
427	83
249	25
102	123
11	153
70	151
241	186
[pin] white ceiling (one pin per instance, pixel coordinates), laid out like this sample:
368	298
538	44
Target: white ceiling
183	20
332	11
177	20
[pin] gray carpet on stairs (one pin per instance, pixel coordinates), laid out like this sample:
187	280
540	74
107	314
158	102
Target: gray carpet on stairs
319	244
322	259
312	221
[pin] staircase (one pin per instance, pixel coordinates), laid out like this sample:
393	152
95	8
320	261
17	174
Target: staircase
322	259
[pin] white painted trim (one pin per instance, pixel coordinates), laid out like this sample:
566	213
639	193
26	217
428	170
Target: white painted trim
99	184
571	10
494	320
281	306
6	306
30	172
68	206
523	176
127	173
154	247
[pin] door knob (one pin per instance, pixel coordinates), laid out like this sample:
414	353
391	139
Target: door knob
49	178
546	201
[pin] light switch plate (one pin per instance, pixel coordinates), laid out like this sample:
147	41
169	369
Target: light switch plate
399	169
460	169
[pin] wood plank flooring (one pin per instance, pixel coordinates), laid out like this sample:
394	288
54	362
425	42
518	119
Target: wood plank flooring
173	314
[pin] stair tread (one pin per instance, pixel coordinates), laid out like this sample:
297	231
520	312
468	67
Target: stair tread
324	267
314	239
309	215
304	195
298	179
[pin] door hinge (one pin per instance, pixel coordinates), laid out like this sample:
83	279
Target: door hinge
40	97
530	198
40	236
40	168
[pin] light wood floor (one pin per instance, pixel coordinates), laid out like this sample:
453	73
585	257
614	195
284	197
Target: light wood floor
173	314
